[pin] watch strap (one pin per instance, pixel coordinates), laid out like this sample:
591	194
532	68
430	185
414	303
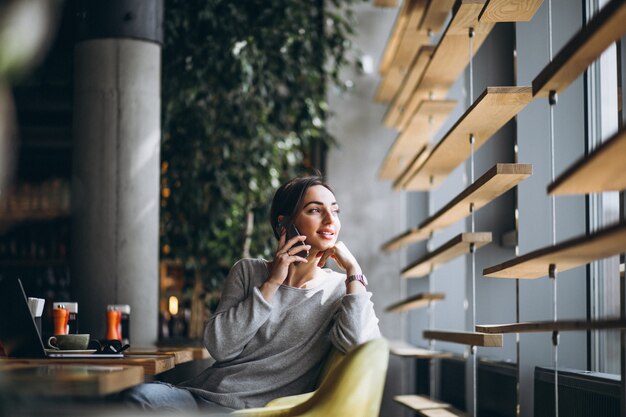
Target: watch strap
357	277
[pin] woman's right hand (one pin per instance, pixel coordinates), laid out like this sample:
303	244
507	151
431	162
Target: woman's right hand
285	256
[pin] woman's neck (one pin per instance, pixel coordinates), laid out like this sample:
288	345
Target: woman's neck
302	273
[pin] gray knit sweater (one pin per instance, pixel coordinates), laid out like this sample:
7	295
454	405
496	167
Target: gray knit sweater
265	350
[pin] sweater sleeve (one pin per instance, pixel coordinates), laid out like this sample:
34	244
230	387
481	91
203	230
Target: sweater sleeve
238	317
355	322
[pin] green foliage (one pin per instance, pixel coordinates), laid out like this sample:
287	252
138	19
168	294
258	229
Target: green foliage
243	102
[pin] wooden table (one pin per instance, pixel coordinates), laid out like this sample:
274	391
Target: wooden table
199	352
77	380
181	355
152	364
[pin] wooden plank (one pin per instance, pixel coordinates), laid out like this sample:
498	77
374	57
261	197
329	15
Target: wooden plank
453	248
386	3
550	326
490	112
441	412
152	364
198	352
406	39
566	255
69	380
450	57
419	402
465	338
389	85
426	122
410	81
436	14
509	10
406	238
409	42
606	27
602	170
401	348
412	39
394	37
417	301
413	167
495	182
181	355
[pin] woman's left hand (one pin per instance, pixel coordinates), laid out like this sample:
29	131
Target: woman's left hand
343	257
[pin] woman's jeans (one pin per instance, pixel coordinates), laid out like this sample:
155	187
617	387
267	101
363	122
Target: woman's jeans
167	397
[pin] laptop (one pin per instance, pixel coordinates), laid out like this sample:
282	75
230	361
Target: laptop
18	332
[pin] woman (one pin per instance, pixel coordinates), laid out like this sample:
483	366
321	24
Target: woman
278	320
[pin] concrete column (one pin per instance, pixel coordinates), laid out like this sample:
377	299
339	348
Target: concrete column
115	178
371	212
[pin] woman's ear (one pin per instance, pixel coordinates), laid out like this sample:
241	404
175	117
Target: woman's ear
280	225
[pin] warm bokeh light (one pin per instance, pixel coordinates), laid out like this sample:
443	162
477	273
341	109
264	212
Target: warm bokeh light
173	305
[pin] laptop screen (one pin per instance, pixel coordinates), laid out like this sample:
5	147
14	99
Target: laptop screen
18	332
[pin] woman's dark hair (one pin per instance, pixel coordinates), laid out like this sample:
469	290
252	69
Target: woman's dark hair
287	200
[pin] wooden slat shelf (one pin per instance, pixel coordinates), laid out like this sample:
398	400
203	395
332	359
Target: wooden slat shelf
436	14
394	37
586	46
450	58
453	248
390	84
465	338
406	238
441	412
412	38
509	10
401	348
550	326
495	182
492	110
566	255
404	44
427	120
412	168
602	170
419	402
409	82
385	3
417	301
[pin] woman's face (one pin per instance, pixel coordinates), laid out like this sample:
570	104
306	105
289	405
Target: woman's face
318	219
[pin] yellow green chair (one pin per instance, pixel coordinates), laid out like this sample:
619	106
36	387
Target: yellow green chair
351	385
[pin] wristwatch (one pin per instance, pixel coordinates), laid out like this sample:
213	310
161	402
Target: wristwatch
357	277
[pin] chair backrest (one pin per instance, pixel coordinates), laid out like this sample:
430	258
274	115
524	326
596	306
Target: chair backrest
335	357
351	385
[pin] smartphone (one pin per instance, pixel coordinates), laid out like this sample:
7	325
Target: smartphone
292	231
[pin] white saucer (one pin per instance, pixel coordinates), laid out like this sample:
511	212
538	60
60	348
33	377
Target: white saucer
85	351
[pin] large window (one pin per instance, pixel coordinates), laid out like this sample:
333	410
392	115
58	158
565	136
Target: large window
603	209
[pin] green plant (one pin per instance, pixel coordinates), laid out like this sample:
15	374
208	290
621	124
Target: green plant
244	87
